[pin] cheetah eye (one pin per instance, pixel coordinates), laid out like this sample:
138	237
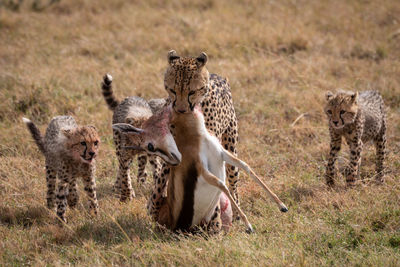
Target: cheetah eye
96	143
342	112
329	112
191	93
83	143
150	147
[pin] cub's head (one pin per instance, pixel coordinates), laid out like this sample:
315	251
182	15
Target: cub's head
341	108
82	143
186	81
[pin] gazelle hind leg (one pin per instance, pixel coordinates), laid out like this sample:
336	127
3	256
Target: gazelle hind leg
213	180
231	159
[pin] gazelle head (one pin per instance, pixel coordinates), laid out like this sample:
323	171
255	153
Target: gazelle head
154	137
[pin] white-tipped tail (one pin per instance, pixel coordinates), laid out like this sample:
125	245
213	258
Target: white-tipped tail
26	120
109	77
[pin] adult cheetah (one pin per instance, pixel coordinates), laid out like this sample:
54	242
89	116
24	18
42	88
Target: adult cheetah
188	83
359	118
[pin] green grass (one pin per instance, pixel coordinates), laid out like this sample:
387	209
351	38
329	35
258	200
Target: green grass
280	57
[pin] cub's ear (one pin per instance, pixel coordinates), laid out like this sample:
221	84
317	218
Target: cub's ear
354	97
126	128
172	56
329	95
201	60
67	132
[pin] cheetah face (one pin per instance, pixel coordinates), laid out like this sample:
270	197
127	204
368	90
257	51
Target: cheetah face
341	108
186	81
82	143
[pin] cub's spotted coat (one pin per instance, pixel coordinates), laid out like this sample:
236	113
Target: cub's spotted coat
358	118
134	111
70	151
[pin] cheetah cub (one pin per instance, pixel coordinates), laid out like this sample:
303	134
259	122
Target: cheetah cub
70	151
360	118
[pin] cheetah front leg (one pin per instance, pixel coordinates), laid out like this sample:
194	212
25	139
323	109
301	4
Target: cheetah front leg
72	197
336	142
355	159
156	200
215	224
64	176
142	161
380	145
124	179
89	182
51	178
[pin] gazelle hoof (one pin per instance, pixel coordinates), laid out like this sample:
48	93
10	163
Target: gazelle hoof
249	230
284	209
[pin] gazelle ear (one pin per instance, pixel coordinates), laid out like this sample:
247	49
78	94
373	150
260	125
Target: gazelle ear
67	132
126	128
354	97
172	56
130	121
201	60
329	95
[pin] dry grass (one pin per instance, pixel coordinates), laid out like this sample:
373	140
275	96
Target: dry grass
280	58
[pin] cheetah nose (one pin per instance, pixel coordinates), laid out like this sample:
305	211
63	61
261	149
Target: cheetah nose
91	154
181	110
335	122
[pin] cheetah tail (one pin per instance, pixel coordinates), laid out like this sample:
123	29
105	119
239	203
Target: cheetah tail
106	87
36	135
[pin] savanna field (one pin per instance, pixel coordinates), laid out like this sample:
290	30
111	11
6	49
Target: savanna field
280	58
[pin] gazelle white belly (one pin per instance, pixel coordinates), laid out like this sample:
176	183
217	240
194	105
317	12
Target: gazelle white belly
206	196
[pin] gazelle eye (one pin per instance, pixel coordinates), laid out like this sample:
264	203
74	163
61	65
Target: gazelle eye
342	112
150	147
83	143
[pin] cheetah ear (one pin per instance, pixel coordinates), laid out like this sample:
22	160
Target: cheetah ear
354	97
172	56
127	128
201	60
67	132
329	95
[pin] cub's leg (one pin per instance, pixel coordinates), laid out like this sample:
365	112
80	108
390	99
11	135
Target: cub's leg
123	183
336	142
51	178
380	145
89	182
124	178
64	176
72	197
356	146
142	161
